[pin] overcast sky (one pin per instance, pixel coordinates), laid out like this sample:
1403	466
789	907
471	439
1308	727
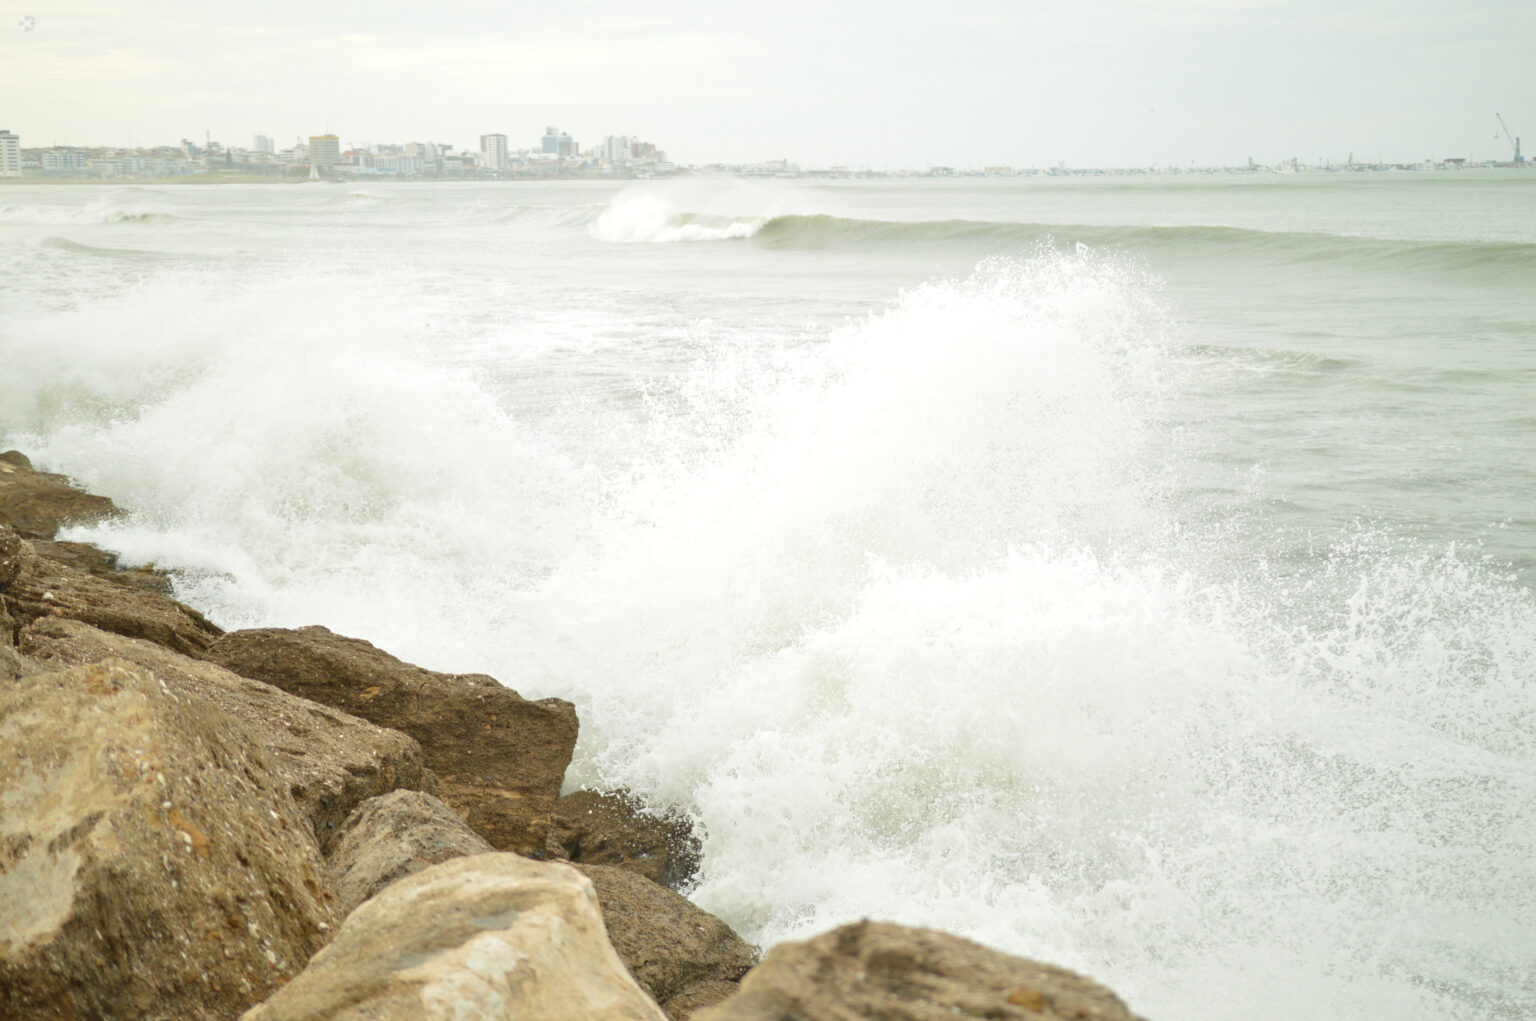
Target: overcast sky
879	84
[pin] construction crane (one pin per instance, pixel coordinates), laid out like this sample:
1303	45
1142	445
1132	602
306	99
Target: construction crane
1508	134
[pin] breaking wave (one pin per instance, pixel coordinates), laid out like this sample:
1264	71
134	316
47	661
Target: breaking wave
653	219
97	211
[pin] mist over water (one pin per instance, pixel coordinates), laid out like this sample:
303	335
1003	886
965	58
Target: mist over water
1144	595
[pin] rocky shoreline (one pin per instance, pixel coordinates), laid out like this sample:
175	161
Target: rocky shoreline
292	824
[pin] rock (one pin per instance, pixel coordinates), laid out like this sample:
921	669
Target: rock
612	829
33	586
330	761
683	956
37	504
393	836
884	972
14	665
487	937
499	757
150	861
93	560
13	551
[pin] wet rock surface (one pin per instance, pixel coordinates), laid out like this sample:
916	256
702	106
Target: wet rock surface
487	937
99	563
151	862
594	828
683	956
37	504
883	972
393	836
499	758
33	586
331	761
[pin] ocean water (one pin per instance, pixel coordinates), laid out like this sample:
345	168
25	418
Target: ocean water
1133	573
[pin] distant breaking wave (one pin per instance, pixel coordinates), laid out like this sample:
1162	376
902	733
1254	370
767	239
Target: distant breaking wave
92	212
837	232
79	248
649	221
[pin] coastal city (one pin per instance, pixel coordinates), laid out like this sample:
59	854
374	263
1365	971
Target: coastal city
555	154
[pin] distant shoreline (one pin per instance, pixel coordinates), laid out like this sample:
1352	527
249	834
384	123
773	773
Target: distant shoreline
239	177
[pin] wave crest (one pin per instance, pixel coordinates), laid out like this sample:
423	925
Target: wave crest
97	211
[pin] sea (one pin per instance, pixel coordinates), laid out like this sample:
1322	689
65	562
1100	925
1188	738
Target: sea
1130	572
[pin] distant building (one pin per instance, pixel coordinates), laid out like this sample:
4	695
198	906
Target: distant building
615	150
557	143
10	155
324	150
63	161
262	144
493	152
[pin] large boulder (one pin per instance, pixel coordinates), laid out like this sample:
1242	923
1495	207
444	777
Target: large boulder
594	828
330	761
151	861
37	504
393	836
34	586
683	956
499	758
881	972
494	936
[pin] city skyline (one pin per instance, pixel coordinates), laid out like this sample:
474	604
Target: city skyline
1113	83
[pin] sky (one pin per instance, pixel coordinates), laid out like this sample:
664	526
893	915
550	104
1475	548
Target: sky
885	85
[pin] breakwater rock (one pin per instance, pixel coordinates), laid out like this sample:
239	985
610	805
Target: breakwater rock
499	758
286	824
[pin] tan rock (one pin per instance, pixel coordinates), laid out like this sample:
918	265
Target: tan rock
13	664
499	758
393	836
882	972
681	955
330	761
37	504
100	563
613	829
151	864
33	586
487	937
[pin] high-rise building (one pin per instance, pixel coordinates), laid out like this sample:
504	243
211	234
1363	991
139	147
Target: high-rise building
324	150
10	155
615	150
558	143
493	152
262	144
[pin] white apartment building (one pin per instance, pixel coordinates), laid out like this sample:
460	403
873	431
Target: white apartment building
493	152
10	155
